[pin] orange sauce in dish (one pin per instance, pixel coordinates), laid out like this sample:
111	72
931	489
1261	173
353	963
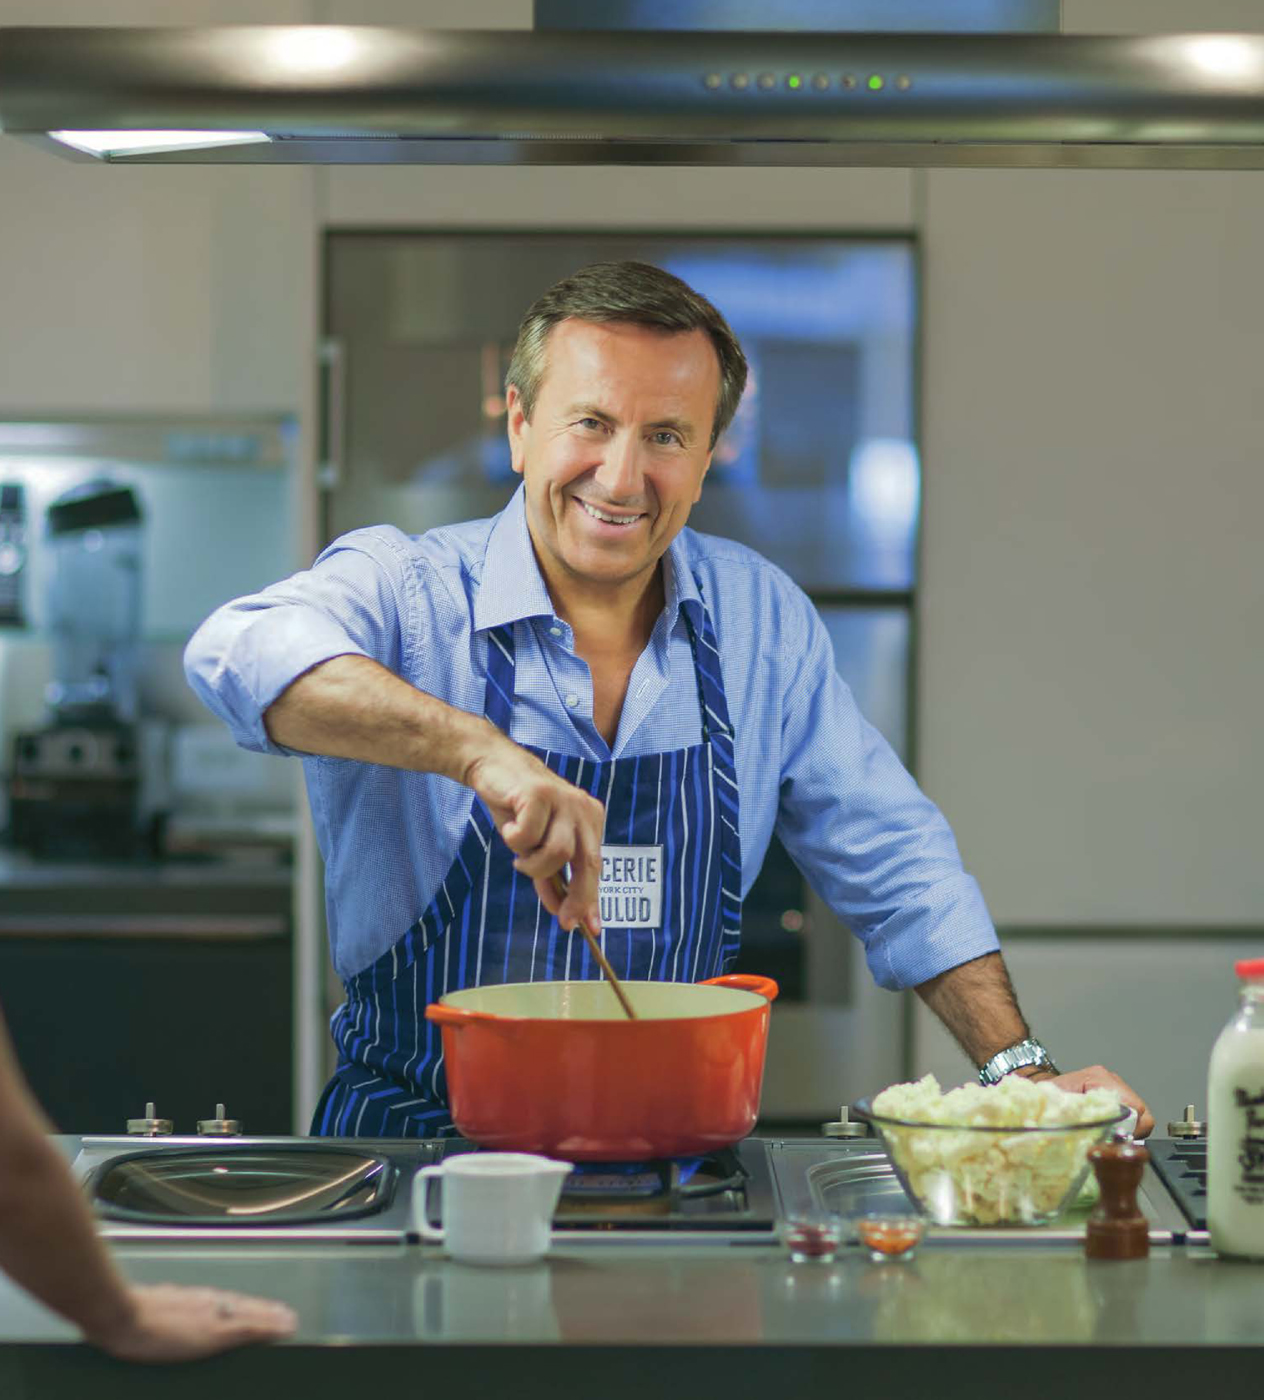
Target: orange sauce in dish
892	1237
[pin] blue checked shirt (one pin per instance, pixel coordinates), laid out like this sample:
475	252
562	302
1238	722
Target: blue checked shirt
809	766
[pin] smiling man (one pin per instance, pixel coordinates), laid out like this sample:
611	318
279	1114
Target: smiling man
583	685
613	444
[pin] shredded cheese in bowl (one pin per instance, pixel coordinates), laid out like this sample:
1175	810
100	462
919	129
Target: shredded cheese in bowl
1014	1153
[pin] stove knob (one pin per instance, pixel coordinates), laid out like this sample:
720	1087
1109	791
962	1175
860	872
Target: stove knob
149	1126
219	1126
846	1127
1187	1127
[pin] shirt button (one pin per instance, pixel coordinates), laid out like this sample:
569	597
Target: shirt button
555	631
572	701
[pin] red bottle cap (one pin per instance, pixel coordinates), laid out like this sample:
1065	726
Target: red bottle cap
1250	968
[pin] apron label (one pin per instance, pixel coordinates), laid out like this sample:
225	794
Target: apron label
631	891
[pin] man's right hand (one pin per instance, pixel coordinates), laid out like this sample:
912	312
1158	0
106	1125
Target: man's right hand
548	824
352	707
171	1323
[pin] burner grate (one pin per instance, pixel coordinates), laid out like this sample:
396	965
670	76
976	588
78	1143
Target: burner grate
728	1189
1181	1164
678	1179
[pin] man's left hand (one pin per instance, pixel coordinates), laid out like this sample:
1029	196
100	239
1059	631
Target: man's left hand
1098	1077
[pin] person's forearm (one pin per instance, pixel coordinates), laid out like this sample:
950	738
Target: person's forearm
976	1002
352	707
48	1241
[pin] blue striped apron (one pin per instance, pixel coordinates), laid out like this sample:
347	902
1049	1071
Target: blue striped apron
485	923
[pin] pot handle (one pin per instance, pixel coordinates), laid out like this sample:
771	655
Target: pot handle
454	1016
743	982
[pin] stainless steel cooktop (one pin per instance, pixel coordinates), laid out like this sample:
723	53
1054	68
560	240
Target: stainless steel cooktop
359	1191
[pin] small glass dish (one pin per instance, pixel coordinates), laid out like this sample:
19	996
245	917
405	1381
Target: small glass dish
812	1237
888	1237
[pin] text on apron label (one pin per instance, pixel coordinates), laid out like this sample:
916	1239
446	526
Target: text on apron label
631	890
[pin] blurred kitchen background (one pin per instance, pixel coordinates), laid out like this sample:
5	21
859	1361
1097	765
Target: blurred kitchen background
1005	428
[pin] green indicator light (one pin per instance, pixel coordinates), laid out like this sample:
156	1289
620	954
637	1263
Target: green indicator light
875	83
794	81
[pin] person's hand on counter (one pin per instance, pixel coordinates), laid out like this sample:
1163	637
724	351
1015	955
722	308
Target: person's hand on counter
1099	1077
167	1322
976	1002
50	1247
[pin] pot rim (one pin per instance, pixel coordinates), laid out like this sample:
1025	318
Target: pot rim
759	1001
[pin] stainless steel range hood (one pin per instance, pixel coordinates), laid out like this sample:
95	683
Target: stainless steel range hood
346	94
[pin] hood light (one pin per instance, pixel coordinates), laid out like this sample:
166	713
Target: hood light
1224	56
135	143
312	50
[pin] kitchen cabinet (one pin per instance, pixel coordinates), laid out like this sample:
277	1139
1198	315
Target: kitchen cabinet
122	985
180	290
159	290
1088	687
146	290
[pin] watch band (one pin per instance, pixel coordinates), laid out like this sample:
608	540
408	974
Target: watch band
1026	1052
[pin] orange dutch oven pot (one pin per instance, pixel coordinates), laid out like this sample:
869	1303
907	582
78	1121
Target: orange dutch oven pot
557	1068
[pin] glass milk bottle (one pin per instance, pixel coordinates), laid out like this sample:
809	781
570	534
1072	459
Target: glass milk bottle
1235	1123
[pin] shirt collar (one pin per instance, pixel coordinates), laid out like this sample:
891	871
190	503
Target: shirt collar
679	581
512	587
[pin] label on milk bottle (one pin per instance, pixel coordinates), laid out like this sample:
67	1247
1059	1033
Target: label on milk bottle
1250	1183
631	890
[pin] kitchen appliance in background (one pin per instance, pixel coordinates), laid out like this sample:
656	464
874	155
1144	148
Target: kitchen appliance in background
94	603
799	83
227	803
12	552
78	788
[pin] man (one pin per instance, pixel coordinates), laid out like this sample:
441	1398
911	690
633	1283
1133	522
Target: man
496	702
49	1245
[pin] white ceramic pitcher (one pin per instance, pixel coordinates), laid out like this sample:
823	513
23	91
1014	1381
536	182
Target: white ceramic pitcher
495	1207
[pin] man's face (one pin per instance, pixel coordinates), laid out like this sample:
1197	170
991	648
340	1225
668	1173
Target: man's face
616	449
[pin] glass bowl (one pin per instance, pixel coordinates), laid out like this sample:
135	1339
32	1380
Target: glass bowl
889	1237
989	1175
811	1236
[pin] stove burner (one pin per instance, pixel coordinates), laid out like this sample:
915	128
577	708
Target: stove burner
1182	1167
683	1178
728	1189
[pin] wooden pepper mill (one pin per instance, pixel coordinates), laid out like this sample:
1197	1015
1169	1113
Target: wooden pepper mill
1117	1229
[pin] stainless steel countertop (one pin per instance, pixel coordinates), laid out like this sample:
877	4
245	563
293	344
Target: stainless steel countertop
737	1294
736	1320
730	1296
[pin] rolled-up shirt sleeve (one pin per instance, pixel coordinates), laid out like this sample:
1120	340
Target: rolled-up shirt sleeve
866	837
353	601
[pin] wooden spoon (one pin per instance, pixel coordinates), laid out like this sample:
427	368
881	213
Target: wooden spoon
560	886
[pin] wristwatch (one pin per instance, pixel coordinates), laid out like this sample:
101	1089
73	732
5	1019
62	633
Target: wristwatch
1026	1052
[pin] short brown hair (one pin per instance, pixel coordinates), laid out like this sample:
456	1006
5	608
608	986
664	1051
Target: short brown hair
636	292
